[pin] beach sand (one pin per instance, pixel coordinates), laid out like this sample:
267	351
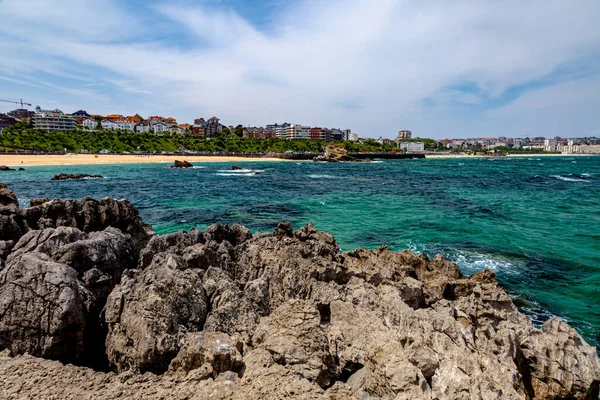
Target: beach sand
15	160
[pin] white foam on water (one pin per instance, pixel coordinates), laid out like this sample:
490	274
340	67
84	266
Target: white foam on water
235	174
588	175
240	171
567	179
318	176
198	167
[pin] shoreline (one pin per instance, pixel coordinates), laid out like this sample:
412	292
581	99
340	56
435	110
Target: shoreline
16	160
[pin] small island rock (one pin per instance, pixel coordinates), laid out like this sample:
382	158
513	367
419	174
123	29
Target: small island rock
182	164
62	177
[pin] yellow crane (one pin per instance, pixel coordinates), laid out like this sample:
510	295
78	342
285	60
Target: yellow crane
20	101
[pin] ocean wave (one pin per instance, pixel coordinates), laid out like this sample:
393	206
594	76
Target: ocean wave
320	176
198	167
241	171
568	178
231	173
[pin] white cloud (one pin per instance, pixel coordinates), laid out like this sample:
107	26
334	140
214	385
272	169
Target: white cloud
358	63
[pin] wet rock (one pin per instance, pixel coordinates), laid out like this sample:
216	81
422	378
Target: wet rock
38	202
181	164
236	168
5	168
63	177
7	197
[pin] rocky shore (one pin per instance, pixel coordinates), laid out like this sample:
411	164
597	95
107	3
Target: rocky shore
94	305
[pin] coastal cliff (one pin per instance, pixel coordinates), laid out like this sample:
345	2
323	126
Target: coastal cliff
94	305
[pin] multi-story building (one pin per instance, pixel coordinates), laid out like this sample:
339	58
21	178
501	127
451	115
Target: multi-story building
296	131
403	135
338	135
6	121
323	134
550	145
89	123
143	127
207	128
353	137
280	132
412	146
118	124
53	121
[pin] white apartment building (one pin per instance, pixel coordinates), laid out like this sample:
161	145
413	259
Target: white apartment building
353	137
114	125
89	123
412	146
159	128
53	121
142	128
550	145
280	132
296	131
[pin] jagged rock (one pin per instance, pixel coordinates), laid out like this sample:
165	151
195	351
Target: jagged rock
147	311
335	153
90	264
7	197
294	337
63	177
181	164
231	315
38	202
41	308
212	352
5	168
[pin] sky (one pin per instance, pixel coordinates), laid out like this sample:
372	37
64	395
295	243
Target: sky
442	69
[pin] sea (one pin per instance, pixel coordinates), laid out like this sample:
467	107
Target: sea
535	221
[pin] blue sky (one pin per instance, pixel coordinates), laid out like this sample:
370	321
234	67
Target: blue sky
442	69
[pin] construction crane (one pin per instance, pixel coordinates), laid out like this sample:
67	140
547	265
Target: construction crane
17	102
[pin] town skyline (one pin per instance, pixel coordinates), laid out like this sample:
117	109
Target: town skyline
443	70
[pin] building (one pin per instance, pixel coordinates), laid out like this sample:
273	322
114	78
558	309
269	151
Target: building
6	121
412	147
338	135
143	127
53	121
207	128
21	113
122	124
89	123
81	115
280	131
296	131
403	135
323	134
159	128
353	137
550	145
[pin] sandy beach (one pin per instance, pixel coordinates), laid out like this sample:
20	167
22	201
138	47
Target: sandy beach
15	160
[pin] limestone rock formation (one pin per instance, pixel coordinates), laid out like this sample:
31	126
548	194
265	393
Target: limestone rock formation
335	153
181	164
227	314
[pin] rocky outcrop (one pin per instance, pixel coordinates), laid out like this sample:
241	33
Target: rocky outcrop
5	168
236	168
225	314
7	197
335	153
53	290
181	164
62	177
38	202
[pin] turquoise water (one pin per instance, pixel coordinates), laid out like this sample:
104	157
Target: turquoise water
535	221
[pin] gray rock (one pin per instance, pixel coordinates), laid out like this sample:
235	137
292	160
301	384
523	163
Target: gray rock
148	310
